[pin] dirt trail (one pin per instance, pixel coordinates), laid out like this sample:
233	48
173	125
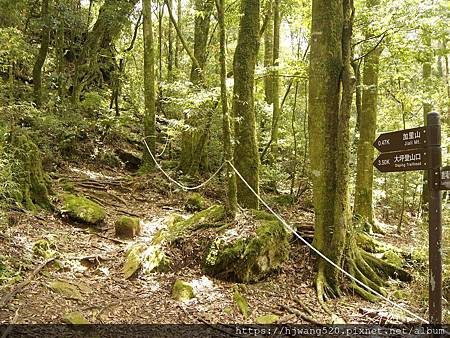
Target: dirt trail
92	264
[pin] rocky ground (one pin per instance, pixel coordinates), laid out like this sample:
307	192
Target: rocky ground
83	272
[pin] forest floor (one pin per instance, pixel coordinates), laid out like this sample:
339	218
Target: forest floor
91	261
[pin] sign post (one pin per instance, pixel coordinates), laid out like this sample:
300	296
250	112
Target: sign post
434	215
420	149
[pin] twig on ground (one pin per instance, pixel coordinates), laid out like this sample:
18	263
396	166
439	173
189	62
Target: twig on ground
299	313
6	298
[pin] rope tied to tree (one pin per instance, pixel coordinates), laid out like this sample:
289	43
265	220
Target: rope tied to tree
288	227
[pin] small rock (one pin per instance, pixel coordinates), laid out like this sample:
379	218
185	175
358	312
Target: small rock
182	291
66	289
75	318
267	319
128	227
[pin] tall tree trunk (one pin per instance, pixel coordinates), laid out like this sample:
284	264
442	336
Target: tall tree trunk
42	55
231	200
178	48
276	116
60	50
426	78
367	129
246	149
330	97
149	86
170	55
268	55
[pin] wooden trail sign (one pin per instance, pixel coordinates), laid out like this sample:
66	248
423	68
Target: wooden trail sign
420	149
402	161
402	139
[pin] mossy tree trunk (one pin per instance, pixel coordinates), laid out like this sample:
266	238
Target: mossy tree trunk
276	109
231	200
268	55
149	86
193	138
96	51
246	149
170	55
42	55
367	129
426	104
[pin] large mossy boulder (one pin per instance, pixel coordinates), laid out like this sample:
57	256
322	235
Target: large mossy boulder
249	257
179	227
83	210
33	181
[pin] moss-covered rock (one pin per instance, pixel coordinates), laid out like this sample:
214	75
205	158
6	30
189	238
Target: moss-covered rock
267	319
206	218
182	291
32	179
393	258
249	258
150	258
44	248
195	202
75	318
83	209
127	227
66	289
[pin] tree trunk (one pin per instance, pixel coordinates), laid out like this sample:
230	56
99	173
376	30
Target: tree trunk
149	86
329	133
170	55
276	116
426	78
246	149
42	55
178	48
231	200
268	56
367	129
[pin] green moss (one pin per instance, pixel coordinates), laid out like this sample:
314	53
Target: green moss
393	258
182	291
44	248
241	303
195	202
32	179
267	319
206	218
83	209
249	259
228	310
128	227
66	289
75	318
133	260
68	186
282	199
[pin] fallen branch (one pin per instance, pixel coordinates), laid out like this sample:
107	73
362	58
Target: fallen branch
303	306
6	298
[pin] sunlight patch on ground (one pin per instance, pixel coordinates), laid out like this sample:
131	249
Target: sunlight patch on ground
149	228
92	174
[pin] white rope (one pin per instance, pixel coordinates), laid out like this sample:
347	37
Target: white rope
173	180
289	228
165	147
321	254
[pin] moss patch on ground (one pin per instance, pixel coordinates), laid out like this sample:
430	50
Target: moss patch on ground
195	202
83	210
249	258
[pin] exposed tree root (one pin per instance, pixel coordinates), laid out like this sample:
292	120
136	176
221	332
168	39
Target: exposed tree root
363	265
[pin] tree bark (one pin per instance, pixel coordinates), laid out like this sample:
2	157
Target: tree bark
276	116
246	149
149	86
231	200
367	129
268	55
42	55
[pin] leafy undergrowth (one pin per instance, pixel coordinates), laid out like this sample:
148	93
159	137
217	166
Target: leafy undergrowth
86	276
